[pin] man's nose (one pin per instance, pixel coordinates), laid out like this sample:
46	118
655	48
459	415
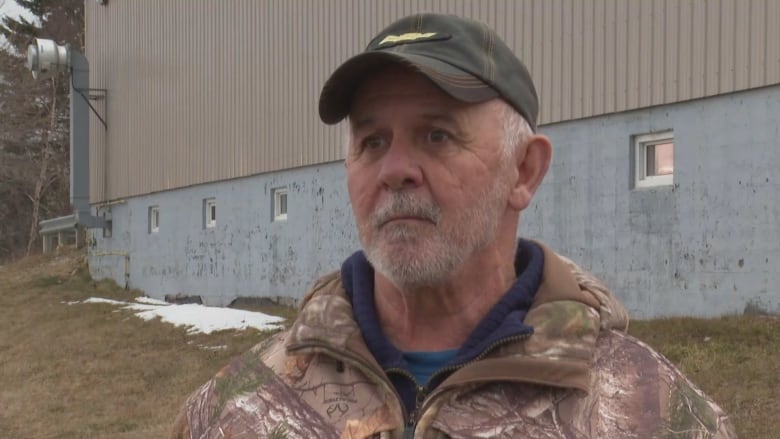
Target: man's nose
400	168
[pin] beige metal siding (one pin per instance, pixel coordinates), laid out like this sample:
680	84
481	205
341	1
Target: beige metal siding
199	91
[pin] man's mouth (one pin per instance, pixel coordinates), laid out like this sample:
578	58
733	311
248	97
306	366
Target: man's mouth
404	208
405	218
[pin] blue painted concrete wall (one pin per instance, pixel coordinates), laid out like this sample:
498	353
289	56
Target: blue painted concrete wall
708	245
247	253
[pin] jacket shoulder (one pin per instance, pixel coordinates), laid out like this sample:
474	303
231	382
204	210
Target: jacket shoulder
247	395
326	285
638	387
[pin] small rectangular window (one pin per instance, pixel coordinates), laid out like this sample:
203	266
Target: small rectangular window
654	157
280	204
154	219
108	227
209	213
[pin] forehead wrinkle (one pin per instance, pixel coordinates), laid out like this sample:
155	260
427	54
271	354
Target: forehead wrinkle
429	107
436	117
416	94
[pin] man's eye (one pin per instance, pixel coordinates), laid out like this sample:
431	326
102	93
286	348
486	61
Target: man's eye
438	136
373	142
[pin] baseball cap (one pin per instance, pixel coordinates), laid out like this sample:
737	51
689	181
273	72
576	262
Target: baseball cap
464	57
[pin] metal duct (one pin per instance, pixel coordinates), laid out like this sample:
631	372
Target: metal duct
45	58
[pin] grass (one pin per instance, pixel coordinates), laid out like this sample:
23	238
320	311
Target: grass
96	371
93	370
734	359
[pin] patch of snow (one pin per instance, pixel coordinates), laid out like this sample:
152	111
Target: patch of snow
207	319
101	300
209	348
198	318
150	301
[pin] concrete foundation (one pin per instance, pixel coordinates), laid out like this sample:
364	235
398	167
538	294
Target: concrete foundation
707	245
247	253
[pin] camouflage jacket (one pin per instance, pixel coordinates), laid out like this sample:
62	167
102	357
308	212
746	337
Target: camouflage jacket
578	376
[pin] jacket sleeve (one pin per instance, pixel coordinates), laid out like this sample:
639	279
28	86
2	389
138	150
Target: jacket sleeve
247	396
645	393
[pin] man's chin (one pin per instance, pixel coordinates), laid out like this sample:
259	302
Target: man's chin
399	255
410	267
400	247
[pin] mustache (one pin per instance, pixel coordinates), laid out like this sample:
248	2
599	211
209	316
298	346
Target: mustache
405	204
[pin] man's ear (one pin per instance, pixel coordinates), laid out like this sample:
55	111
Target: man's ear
533	160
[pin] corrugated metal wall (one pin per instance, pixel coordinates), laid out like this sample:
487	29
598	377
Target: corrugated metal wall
207	90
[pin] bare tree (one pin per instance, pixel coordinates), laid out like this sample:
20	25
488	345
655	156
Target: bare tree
34	124
44	176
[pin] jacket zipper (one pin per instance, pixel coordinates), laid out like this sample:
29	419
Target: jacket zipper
420	394
423	391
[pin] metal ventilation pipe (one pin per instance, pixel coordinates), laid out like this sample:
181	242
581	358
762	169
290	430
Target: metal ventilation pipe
44	59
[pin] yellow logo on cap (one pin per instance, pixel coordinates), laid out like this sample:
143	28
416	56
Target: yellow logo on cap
412	36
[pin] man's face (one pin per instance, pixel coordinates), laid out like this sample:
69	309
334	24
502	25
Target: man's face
426	175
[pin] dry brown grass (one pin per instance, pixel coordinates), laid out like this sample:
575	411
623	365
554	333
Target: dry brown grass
94	371
734	359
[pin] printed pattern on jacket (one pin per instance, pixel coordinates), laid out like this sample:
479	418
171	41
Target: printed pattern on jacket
578	376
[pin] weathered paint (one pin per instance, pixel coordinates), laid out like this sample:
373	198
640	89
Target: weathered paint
247	253
707	246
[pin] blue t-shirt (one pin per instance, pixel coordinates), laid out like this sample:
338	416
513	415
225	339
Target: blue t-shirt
422	364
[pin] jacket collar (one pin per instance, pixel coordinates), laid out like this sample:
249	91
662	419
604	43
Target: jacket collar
568	311
505	319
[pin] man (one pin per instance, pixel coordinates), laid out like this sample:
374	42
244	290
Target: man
446	325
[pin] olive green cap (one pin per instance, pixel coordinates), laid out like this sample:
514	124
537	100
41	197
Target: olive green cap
465	58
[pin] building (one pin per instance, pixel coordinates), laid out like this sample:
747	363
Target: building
220	181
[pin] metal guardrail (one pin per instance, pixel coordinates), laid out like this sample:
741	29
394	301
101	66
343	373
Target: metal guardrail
59	227
60	224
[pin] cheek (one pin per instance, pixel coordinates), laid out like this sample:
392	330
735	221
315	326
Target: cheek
451	185
458	194
459	174
361	188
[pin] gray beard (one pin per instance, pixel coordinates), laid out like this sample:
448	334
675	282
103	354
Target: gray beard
412	259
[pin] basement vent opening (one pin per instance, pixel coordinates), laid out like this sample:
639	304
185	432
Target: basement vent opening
209	213
154	219
280	204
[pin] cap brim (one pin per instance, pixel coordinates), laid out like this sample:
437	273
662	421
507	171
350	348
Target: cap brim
339	89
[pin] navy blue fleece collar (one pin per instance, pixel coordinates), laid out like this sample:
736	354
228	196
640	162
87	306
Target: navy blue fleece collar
505	319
